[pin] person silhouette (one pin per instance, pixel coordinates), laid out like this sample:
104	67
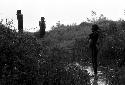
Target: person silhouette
42	27
20	21
93	37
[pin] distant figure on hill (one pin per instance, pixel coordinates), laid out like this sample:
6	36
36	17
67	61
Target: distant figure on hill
42	27
20	21
93	37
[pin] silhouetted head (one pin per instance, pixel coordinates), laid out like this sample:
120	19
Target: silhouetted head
95	27
42	18
18	11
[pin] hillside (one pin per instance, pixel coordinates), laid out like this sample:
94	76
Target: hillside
74	40
58	58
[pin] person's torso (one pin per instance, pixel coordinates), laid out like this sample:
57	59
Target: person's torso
94	37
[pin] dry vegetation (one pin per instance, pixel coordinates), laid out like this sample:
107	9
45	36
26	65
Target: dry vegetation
26	59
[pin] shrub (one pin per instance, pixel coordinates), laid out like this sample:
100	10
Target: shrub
19	54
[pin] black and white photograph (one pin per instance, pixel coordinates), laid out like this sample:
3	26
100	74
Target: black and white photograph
62	42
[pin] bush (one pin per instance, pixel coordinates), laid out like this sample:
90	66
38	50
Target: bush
19	54
112	49
81	52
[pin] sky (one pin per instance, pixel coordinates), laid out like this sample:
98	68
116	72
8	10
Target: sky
65	11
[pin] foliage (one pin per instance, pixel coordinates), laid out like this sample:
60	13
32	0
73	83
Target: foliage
74	39
76	75
81	51
18	58
27	58
53	69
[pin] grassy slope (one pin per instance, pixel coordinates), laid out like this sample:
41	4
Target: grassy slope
111	48
74	40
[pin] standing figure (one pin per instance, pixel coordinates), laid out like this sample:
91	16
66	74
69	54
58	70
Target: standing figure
20	21
93	46
42	27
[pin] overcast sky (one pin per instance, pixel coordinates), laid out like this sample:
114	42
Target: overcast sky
65	11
